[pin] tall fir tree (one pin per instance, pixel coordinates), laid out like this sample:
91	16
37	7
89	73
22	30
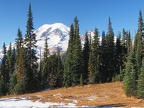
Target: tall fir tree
21	73
94	75
45	65
140	85
74	60
60	70
118	53
110	51
103	57
69	59
138	45
90	63
130	76
4	69
31	59
2	86
77	55
86	51
11	53
138	54
10	61
129	42
16	55
56	71
19	43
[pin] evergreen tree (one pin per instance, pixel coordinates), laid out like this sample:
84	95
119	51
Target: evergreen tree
21	73
118	60
140	22
60	70
45	65
90	63
86	51
11	59
138	54
77	55
2	87
4	69
138	44
124	38
140	85
74	60
11	67
19	43
56	71
16	58
39	77
130	76
124	47
9	55
13	82
68	65
103	57
94	76
129	42
31	59
110	51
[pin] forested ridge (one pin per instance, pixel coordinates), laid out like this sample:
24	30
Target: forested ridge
114	58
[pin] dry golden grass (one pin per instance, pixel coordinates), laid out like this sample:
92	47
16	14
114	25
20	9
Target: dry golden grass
108	94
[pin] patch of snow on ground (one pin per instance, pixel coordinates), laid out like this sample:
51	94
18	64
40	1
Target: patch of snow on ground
25	103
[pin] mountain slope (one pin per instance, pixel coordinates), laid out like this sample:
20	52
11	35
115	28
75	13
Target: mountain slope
57	35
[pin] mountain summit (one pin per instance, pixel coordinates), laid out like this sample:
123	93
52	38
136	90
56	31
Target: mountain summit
57	35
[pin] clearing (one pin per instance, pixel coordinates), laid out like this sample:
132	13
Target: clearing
107	94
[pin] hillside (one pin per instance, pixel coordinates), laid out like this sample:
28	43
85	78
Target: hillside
108	94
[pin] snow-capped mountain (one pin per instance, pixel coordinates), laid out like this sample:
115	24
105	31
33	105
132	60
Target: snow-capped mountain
57	37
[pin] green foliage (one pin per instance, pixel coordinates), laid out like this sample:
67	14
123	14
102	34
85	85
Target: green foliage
13	82
117	57
140	85
109	66
81	80
77	55
94	74
86	51
130	77
102	58
138	54
20	87
4	67
45	66
73	62
68	65
121	74
30	54
60	71
19	42
2	87
55	78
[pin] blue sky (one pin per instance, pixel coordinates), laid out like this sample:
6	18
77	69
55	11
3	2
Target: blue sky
91	14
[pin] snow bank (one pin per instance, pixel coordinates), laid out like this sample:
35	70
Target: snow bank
24	103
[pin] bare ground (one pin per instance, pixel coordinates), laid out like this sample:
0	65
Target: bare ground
107	94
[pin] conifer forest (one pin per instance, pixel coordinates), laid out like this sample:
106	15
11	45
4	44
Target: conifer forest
116	57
